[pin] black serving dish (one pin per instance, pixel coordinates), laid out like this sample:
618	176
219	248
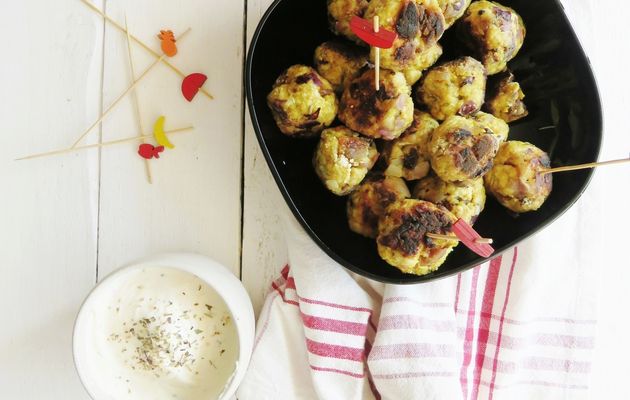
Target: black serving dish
565	120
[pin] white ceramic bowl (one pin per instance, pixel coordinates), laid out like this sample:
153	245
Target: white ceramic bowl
228	287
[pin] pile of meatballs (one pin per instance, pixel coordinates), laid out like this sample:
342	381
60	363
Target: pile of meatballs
452	144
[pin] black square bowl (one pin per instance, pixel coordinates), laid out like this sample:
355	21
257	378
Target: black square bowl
565	120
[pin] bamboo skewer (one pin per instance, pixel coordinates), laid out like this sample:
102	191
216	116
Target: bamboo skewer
103	144
447	237
377	56
130	88
144	46
584	166
136	103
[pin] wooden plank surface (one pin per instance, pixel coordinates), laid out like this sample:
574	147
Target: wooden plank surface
264	251
194	203
50	79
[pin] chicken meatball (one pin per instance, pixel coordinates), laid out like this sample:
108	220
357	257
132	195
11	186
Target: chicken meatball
302	102
384	114
343	158
516	180
340	12
466	200
494	32
453	10
455	88
368	203
402	240
425	60
498	127
505	99
338	62
462	149
419	25
407	157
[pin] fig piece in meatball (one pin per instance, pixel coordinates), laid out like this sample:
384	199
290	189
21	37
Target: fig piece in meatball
385	114
462	149
419	25
455	88
340	12
453	10
402	240
408	157
338	62
505	99
368	203
302	102
515	180
466	200
343	158
498	127
494	32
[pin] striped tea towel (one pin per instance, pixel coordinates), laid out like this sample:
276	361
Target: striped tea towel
519	327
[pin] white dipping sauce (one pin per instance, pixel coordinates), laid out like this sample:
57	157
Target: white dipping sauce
161	333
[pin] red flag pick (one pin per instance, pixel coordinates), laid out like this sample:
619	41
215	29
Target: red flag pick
364	29
471	239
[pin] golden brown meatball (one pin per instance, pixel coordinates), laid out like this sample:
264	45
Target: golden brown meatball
462	149
384	114
338	62
494	32
425	60
492	124
455	88
343	158
368	203
515	180
402	240
453	10
466	200
340	12
407	157
419	25
505	99
302	102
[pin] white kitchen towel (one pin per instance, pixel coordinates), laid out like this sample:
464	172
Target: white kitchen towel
519	327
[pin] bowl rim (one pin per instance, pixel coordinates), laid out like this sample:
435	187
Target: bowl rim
230	289
407	279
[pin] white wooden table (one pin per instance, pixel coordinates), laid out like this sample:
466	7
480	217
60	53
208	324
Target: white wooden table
67	221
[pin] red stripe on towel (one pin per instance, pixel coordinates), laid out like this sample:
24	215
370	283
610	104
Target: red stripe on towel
411	350
469	333
401	321
291	285
459	284
281	293
285	272
484	324
416	302
537	383
334	325
368	349
335	351
403	375
337	371
505	303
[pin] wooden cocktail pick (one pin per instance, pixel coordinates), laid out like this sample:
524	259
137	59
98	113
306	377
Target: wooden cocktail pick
123	94
103	144
584	166
142	44
371	33
469	237
136	103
